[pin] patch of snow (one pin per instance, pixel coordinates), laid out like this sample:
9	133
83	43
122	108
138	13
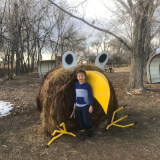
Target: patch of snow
5	108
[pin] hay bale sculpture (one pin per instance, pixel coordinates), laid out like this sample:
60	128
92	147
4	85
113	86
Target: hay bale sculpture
56	95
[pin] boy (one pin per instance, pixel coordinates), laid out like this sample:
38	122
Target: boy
83	104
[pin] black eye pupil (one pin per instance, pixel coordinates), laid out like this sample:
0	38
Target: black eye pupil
102	58
69	59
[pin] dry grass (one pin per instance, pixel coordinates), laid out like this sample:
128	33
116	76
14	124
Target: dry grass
122	69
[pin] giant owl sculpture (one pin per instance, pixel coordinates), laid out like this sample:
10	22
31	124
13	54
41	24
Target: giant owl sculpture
56	95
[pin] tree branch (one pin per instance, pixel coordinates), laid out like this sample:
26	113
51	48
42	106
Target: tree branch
91	25
80	3
125	6
155	33
130	3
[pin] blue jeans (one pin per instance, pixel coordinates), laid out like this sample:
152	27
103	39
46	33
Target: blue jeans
83	117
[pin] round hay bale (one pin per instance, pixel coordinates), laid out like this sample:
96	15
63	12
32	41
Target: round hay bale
56	98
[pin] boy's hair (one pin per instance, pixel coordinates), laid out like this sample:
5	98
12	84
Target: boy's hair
81	71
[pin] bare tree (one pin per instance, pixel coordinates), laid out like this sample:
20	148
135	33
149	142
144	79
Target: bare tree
2	14
96	44
65	35
29	26
142	13
101	43
25	32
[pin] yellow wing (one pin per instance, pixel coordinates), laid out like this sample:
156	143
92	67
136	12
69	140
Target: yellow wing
100	88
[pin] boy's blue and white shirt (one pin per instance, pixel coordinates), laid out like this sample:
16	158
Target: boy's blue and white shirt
83	94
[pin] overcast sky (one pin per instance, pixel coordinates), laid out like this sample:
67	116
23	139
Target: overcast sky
102	12
93	8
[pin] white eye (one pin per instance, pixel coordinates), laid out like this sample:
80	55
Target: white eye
101	60
69	60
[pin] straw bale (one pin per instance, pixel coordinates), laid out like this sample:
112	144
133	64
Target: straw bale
55	99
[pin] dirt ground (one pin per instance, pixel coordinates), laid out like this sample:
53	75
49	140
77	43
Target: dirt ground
21	137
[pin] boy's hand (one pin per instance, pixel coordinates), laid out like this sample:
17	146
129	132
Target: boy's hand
90	109
74	107
73	112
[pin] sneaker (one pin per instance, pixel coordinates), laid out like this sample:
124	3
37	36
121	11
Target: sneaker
82	135
90	133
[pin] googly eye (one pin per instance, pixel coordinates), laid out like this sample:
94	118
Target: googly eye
101	60
69	60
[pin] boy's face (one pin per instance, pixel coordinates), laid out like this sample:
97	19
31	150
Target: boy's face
81	78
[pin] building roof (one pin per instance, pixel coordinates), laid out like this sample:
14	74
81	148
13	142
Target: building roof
47	61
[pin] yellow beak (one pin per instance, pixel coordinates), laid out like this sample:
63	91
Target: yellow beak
100	88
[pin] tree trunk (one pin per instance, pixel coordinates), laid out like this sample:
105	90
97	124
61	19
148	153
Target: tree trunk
147	51
136	73
32	65
8	58
21	51
18	67
33	60
12	61
28	51
141	20
147	48
39	52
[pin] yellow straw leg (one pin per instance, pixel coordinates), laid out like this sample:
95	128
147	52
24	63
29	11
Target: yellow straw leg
117	110
114	123
124	126
64	132
113	117
55	131
69	133
72	134
60	133
54	138
118	125
60	129
64	127
120	119
108	126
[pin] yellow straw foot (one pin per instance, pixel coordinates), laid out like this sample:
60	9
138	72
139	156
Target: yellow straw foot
114	123
62	130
